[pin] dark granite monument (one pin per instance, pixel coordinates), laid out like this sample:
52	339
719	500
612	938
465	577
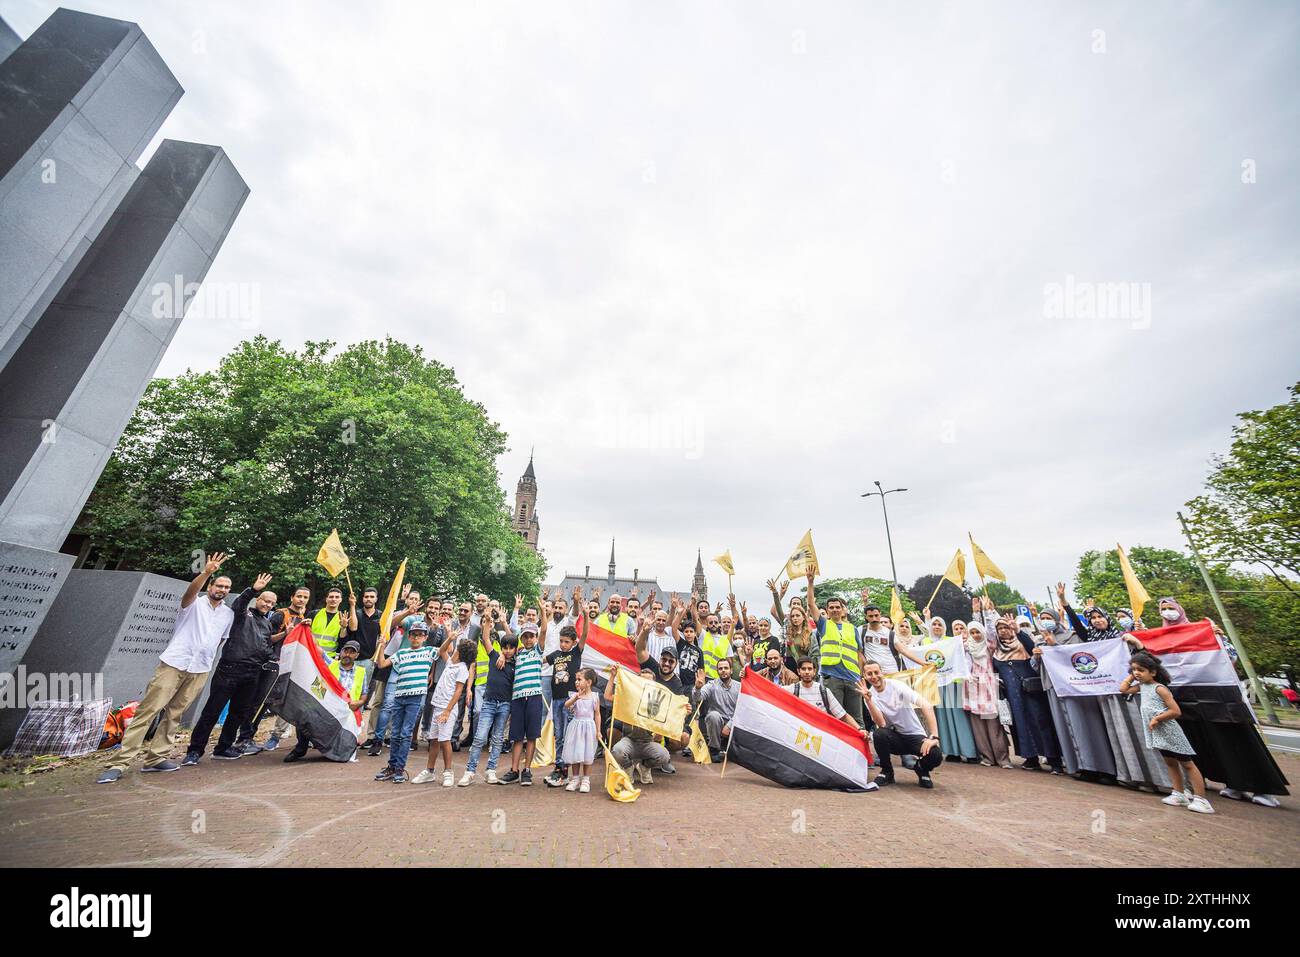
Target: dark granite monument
92	252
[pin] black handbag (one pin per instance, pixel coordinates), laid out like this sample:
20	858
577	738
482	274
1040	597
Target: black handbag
1032	684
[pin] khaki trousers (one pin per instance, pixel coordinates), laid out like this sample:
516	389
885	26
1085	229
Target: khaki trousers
169	693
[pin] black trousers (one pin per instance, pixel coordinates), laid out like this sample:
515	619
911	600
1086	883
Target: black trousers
235	685
265	680
890	741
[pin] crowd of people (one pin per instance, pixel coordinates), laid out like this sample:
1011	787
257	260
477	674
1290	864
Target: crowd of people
475	675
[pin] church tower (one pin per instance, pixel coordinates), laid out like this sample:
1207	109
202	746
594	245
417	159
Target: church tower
525	522
698	584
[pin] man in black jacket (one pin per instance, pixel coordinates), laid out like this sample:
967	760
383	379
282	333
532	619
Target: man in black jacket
237	677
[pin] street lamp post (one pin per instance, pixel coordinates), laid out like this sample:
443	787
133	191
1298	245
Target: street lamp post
889	541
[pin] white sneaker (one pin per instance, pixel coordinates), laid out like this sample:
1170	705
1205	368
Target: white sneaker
584	787
644	774
448	779
424	777
1200	805
466	779
1265	800
1177	799
572	785
1231	794
492	777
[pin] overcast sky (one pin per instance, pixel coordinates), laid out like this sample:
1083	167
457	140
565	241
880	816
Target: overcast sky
725	264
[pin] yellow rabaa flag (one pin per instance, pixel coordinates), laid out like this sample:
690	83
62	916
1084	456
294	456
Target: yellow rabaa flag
804	557
920	680
331	556
1137	595
390	604
983	564
648	704
617	782
545	753
698	746
956	571
896	608
725	561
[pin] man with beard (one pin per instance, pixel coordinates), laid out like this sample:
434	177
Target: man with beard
238	674
718	701
329	625
201	626
283	621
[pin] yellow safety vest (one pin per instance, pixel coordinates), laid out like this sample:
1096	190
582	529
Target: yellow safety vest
484	662
839	646
715	648
358	679
618	626
326	632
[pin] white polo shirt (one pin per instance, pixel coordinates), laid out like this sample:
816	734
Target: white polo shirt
200	629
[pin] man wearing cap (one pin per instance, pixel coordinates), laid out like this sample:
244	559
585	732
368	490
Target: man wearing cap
353	679
638	750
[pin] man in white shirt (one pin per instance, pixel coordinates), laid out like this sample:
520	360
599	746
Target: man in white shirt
898	730
201	627
876	639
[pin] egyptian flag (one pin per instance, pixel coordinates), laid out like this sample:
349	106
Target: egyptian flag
785	739
604	648
1219	724
309	697
1191	653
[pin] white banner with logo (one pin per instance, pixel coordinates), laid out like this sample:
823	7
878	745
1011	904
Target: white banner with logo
948	657
1092	668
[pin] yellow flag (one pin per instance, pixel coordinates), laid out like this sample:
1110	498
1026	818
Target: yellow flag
545	753
725	561
896	608
1137	595
390	604
983	564
698	746
804	557
956	572
920	680
647	704
331	556
617	782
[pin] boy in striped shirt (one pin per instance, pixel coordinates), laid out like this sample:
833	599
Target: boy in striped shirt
526	707
408	682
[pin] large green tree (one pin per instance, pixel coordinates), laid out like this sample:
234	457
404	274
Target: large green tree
1250	511
263	455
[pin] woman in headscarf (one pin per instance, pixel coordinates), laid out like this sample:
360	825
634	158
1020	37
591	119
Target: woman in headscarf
1031	718
980	697
1136	765
1079	720
1221	728
956	739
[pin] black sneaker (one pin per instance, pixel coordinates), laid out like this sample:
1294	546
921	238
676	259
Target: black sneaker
227	754
555	780
883	780
191	758
386	774
526	779
510	777
1031	766
369	742
924	779
163	766
294	755
375	749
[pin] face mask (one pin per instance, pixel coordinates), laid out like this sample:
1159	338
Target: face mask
1126	622
1169	615
1046	624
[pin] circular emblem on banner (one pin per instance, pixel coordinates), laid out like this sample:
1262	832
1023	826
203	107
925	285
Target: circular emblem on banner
1084	662
935	658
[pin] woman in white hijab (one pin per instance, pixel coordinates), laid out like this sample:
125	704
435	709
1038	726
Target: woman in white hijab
980	698
956	739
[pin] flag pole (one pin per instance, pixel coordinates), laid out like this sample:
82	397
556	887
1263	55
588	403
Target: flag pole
349	578
983	584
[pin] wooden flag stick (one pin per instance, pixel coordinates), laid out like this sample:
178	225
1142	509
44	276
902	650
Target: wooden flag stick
349	578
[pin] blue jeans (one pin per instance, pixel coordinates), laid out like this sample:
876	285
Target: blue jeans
491	727
559	721
406	711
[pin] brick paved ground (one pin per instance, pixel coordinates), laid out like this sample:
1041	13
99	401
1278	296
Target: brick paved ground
258	811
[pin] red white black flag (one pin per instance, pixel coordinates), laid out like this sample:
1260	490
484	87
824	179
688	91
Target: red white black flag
309	697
